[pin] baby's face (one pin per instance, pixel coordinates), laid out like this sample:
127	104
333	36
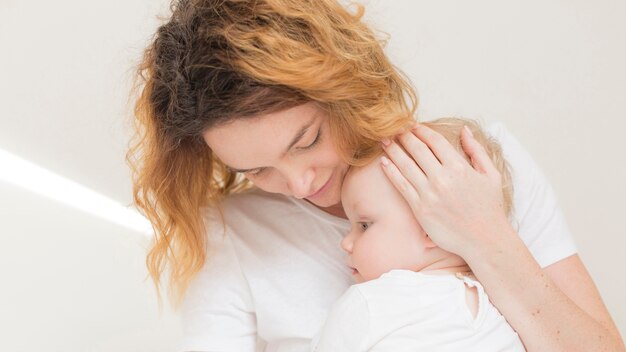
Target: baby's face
384	233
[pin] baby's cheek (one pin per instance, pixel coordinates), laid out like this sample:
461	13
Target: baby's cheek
374	269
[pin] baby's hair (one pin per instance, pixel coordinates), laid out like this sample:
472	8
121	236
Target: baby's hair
450	128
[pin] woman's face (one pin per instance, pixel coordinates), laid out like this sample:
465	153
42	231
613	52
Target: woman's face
288	152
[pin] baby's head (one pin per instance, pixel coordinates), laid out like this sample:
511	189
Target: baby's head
384	233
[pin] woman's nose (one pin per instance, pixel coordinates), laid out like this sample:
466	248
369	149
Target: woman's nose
300	183
347	242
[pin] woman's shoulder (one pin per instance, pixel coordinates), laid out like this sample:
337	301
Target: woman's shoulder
496	128
499	131
537	216
525	172
513	151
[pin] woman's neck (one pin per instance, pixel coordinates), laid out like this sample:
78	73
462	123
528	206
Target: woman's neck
334	210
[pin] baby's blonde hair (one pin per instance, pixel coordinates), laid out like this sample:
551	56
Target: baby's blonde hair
450	128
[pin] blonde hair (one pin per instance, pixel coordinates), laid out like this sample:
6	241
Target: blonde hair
214	61
450	128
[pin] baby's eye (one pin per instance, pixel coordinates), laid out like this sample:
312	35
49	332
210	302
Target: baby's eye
364	225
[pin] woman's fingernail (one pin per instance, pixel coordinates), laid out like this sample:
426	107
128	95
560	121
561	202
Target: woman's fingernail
386	142
384	160
468	131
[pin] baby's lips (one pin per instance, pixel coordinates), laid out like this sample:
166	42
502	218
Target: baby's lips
353	270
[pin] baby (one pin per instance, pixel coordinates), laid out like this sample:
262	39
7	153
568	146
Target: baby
411	295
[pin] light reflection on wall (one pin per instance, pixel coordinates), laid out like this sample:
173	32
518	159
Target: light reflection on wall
22	173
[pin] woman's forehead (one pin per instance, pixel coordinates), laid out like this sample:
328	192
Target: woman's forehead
245	143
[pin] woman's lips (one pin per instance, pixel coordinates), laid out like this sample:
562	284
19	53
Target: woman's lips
321	190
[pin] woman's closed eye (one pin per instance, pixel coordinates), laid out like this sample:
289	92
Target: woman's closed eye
315	141
259	171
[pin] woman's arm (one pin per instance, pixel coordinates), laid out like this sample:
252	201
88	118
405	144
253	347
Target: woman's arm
553	309
460	207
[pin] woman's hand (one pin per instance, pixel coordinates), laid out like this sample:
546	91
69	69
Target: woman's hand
460	206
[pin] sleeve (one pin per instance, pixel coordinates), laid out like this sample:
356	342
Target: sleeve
346	327
217	312
537	216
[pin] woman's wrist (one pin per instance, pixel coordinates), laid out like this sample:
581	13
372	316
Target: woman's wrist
492	246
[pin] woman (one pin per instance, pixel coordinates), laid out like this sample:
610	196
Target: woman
285	95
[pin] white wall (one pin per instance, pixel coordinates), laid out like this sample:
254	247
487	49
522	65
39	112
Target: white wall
73	282
553	71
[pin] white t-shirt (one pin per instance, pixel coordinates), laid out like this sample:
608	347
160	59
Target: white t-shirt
411	311
272	277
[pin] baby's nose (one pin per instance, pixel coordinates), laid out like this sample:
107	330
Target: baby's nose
347	242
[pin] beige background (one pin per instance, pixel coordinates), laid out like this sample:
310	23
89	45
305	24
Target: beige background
552	71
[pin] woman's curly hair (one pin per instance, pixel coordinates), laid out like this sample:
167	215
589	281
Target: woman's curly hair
216	60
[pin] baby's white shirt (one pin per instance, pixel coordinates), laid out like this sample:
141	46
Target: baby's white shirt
411	311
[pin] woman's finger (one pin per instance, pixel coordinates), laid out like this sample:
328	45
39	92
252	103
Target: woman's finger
441	147
406	165
406	189
481	161
420	152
